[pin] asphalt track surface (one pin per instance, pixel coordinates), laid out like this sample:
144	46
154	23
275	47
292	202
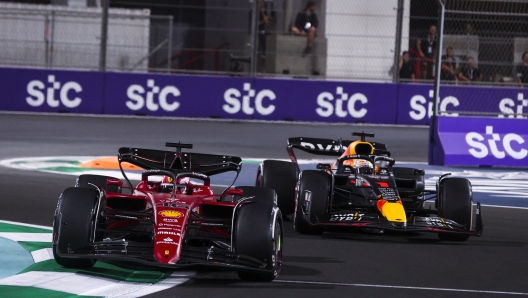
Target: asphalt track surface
334	265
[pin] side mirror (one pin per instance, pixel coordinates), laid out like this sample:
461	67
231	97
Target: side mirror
114	185
324	166
234	192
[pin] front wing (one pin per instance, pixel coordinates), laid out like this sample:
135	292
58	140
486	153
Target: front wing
363	219
191	257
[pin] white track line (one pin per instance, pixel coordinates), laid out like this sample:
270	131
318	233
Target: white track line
172	118
25	225
42	255
30	237
399	287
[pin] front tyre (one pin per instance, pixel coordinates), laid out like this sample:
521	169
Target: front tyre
455	199
312	201
258	233
73	226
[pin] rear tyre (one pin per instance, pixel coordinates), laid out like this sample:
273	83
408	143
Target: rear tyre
312	201
86	180
282	177
73	225
455	199
258	233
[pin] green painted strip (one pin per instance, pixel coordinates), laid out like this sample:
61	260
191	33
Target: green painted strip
33	246
251	161
106	270
10	228
17	292
72	162
65	169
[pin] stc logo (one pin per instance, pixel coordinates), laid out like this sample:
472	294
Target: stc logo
479	144
165	97
38	93
342	107
419	110
506	106
234	103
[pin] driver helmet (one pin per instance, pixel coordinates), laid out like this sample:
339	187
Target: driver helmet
363	166
167	184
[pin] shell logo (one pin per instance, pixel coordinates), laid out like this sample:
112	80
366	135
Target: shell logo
170	213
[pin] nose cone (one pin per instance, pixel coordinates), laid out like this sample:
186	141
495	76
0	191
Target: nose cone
169	234
167	251
392	211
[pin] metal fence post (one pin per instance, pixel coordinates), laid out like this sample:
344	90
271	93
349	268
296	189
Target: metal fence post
104	35
46	39
52	38
253	38
169	45
433	125
438	62
397	45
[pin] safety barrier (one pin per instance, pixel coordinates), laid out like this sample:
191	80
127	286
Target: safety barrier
43	90
476	141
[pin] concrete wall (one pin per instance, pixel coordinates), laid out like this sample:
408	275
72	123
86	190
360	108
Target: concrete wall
361	38
70	37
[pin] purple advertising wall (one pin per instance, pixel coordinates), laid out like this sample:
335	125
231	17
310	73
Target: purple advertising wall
459	140
474	141
42	90
415	102
246	98
39	90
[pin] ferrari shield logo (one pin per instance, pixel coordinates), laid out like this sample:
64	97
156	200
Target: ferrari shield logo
170	213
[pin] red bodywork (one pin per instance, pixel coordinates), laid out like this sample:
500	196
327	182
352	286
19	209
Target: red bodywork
171	211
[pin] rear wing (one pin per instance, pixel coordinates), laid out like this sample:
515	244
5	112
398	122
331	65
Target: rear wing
327	147
208	164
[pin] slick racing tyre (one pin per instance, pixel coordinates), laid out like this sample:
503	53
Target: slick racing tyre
73	225
86	180
312	201
258	233
455	200
282	177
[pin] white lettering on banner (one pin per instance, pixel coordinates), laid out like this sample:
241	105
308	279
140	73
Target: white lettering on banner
37	97
137	101
506	106
479	149
418	106
326	107
233	104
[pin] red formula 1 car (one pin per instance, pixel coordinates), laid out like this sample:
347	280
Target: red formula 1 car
171	218
362	190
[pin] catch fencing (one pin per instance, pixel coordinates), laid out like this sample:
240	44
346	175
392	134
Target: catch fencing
360	40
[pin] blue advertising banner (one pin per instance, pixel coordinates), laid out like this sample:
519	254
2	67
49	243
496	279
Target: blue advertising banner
415	105
38	90
327	101
245	98
118	93
473	141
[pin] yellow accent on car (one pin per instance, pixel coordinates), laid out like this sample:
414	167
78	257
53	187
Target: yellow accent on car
360	147
171	213
393	211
